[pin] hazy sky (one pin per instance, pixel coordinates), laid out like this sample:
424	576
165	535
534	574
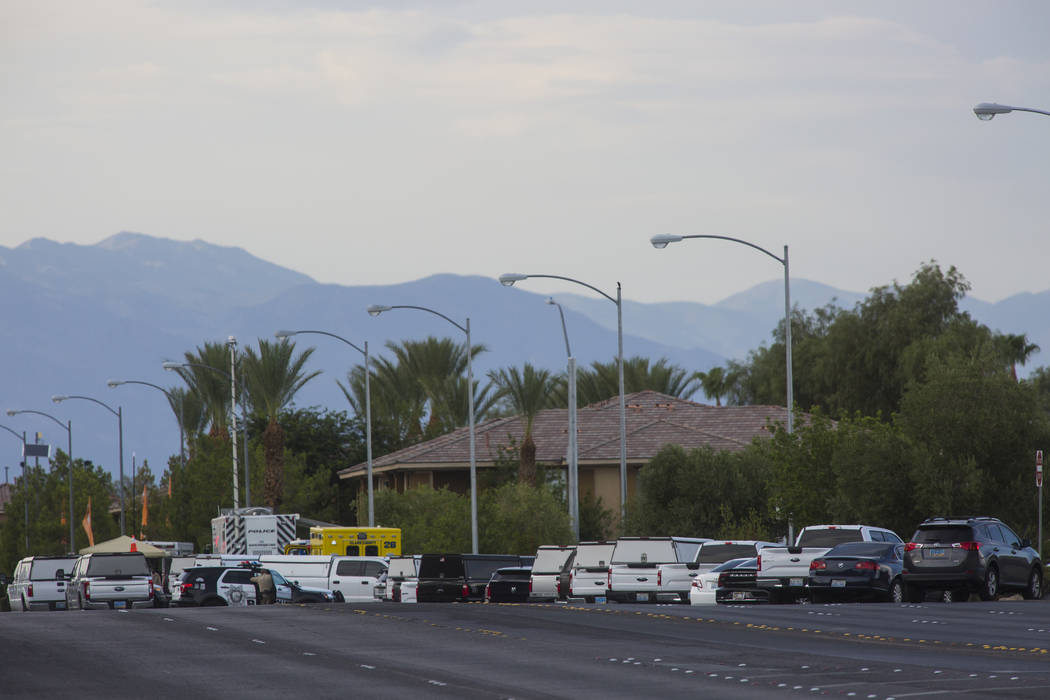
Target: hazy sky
379	142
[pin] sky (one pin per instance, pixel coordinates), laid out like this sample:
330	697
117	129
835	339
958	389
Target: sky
381	142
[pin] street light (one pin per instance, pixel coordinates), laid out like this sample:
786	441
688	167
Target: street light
574	492
377	309
661	240
175	366
987	110
114	383
68	427
25	481
508	279
368	409
59	398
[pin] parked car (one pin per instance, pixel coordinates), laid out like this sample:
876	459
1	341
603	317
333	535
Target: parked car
5	604
964	555
785	570
675	580
550	573
39	583
445	578
633	570
234	586
110	580
589	576
858	570
704	588
739	585
508	585
402	568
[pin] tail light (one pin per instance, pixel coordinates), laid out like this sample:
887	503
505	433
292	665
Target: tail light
759	568
466	590
530	584
697	583
185	588
659	577
29	591
488	592
912	545
968	546
557	587
151	591
866	566
817	565
87	590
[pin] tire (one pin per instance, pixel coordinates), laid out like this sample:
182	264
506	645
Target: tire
1034	589
990	588
896	594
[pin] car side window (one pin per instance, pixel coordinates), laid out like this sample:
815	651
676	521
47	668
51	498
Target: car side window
898	552
876	536
1009	536
237	576
374	569
350	568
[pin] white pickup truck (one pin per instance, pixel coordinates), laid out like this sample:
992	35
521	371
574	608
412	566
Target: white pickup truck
633	570
673	581
785	570
589	575
113	581
549	579
39	583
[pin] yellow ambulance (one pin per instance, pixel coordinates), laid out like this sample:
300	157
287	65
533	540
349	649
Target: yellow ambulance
356	541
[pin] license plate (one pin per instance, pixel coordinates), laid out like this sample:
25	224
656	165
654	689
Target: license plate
936	553
739	595
838	583
60	606
641	597
795	583
600	599
119	603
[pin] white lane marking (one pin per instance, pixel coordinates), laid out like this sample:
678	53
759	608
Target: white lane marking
123	611
370	668
258	641
309	653
690	671
169	619
657	660
213	629
437	683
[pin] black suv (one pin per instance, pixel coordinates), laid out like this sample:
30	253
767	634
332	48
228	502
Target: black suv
229	585
445	578
970	554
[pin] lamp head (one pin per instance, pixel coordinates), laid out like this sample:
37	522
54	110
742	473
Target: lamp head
12	412
171	366
59	398
376	309
113	383
508	279
986	110
283	334
661	240
550	300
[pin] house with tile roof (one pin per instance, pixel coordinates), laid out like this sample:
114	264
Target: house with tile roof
653	420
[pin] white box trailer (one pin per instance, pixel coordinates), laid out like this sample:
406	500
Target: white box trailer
252	534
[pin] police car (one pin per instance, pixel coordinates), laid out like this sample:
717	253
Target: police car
239	586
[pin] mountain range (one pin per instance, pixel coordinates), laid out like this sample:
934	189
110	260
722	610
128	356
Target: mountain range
77	316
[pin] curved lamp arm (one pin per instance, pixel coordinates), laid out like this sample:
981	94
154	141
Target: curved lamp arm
508	279
282	335
59	398
376	309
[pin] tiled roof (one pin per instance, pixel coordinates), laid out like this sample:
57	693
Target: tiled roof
653	420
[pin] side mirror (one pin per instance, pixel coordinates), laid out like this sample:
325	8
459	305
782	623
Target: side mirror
3	579
1026	543
60	574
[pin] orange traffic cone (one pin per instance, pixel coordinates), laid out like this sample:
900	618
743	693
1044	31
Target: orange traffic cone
134	545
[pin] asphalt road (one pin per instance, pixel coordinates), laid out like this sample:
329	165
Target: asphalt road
387	650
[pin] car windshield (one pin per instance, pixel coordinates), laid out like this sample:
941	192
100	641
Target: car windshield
731	564
45	569
278	579
441	566
861	549
121	565
945	534
482	568
402	568
829	537
644	552
716	553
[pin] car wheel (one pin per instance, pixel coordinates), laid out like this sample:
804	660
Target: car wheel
955	596
990	589
1034	589
896	592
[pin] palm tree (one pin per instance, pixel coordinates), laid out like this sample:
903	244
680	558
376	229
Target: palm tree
602	381
715	383
211	386
1016	350
528	392
274	376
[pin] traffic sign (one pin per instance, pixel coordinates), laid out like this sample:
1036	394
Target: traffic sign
1039	469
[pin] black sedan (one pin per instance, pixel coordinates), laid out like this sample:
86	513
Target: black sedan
858	570
508	586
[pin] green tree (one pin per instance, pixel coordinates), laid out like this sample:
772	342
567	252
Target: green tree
602	380
207	376
517	518
527	392
431	520
274	375
715	383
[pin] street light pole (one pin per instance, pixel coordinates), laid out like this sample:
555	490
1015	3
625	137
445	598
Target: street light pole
68	427
25	482
660	241
377	309
574	475
368	409
508	280
113	383
986	111
119	413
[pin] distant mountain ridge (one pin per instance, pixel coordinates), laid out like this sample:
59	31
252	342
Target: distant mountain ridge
78	315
